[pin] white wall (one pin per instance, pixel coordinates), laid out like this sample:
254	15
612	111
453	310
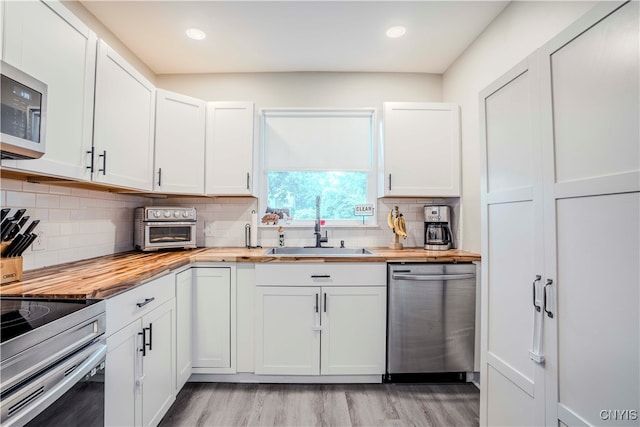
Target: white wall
307	89
521	28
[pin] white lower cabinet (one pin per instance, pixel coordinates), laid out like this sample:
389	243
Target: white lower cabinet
213	311
332	324
184	327
140	364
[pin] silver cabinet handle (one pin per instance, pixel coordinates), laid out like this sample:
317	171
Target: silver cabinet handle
389	182
548	283
325	302
248	180
159	177
316	303
537	307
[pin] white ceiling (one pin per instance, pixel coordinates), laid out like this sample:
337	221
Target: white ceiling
296	35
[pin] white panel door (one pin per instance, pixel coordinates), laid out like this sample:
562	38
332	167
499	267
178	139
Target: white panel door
124	123
511	350
421	146
353	330
597	310
591	149
212	318
229	152
158	363
179	143
123	367
45	40
287	330
184	296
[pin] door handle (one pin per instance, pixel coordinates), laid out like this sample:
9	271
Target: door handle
548	283
144	341
389	182
92	152
159	177
538	277
248	180
150	328
316	303
104	162
145	302
325	302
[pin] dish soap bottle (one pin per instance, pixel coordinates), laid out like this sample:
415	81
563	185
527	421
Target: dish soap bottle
281	236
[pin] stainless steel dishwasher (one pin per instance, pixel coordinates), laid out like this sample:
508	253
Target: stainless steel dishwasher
431	318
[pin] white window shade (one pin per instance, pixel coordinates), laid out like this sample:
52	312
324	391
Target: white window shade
318	140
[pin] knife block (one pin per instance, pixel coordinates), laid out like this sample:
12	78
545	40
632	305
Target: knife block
10	268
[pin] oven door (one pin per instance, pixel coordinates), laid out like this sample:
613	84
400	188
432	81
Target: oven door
71	392
159	235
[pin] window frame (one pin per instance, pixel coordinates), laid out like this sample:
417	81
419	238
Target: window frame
372	174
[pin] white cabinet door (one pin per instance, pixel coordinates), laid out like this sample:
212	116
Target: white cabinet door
124	122
421	149
123	405
158	363
47	41
287	331
179	143
591	149
512	389
212	319
229	152
353	330
184	295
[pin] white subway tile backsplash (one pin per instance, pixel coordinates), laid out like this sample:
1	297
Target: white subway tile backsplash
33	187
47	201
21	200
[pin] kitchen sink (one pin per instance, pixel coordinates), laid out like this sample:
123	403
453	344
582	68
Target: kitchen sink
322	251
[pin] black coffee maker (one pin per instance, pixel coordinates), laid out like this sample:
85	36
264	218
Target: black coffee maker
437	232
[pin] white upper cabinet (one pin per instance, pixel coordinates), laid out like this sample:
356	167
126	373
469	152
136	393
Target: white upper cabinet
420	149
179	148
124	122
229	152
48	42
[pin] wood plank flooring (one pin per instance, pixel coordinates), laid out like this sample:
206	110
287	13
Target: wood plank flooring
392	405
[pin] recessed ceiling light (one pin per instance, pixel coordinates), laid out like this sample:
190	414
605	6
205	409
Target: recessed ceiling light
195	34
397	31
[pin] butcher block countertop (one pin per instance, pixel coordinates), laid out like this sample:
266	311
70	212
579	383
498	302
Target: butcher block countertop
108	275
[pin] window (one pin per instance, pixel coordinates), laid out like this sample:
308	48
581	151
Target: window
326	153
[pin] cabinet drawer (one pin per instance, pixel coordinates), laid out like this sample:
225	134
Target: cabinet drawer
124	308
321	274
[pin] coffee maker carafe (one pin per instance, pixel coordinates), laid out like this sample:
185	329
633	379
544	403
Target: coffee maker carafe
437	232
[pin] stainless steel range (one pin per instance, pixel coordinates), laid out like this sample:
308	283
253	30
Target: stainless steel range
52	360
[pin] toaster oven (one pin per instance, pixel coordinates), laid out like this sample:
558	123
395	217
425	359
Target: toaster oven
163	227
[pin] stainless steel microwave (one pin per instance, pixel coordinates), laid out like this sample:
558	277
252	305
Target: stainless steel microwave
164	227
23	114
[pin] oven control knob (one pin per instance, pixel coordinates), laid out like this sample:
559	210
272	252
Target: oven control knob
185	214
176	214
156	214
167	214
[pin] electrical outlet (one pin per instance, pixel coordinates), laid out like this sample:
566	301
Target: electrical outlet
40	243
208	229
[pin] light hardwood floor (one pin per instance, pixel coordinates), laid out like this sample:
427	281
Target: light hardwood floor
393	405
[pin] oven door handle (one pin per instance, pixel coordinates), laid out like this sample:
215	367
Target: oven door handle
433	277
28	402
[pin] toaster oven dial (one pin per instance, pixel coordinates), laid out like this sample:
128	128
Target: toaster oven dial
156	214
176	214
185	214
167	214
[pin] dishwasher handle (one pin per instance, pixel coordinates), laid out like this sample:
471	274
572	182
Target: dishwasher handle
432	277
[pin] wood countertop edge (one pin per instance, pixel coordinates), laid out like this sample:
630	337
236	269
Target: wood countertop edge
112	274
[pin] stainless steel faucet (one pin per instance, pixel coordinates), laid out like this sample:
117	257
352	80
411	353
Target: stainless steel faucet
317	232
